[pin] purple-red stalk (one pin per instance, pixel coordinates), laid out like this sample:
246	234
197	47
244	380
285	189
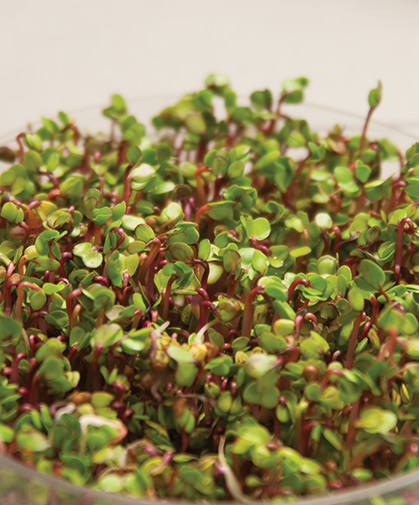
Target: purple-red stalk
14	376
249	310
399	245
121	239
126	194
375	308
21	148
65	256
364	130
258	245
201	197
95	372
298	323
353	339
7	296
149	261
205	266
75	130
342	243
270	126
166	297
204	311
311	317
326	242
20	296
331	371
69	301
365	330
397	183
33	340
294	284
101	280
290	195
200	211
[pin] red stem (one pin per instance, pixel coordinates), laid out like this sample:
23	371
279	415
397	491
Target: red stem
205	266
298	322
201	211
150	281
69	301
75	130
272	123
249	310
166	298
89	232
102	280
121	239
185	441
202	293
201	196
340	244
326	242
64	257
21	150
364	130
7	296
353	339
393	198
20	296
291	191
365	330
294	284
328	373
98	234
311	317
14	366
375	308
399	245
126	195
23	260
154	251
95	368
204	312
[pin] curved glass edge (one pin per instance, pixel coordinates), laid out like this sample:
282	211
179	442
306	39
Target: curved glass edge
22	485
321	118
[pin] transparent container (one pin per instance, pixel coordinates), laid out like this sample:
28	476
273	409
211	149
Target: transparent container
22	485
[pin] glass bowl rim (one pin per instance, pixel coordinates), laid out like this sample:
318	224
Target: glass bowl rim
8	136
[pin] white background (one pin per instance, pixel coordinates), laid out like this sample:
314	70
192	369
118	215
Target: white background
57	54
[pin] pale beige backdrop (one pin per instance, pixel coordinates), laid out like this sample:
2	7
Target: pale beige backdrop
57	54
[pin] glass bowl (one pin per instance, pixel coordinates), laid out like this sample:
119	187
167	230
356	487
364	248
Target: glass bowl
22	485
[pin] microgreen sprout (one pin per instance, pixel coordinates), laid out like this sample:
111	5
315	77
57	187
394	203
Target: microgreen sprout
226	309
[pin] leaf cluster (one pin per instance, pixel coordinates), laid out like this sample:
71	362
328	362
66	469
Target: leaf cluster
227	308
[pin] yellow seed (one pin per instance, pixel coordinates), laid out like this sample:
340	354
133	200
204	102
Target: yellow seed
404	394
198	351
240	357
